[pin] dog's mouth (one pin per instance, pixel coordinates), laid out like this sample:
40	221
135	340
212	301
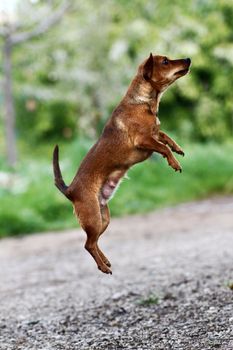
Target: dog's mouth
182	71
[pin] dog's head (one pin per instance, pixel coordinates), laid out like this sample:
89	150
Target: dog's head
161	71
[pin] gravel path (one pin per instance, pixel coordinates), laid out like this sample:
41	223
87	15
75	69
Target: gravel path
171	286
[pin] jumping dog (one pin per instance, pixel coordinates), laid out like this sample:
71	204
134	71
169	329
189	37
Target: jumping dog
130	136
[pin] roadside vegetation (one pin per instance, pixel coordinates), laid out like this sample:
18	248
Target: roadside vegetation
68	75
30	202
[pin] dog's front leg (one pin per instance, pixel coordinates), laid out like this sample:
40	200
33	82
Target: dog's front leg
164	138
151	144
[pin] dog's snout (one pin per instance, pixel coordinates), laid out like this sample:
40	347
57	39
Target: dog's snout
187	60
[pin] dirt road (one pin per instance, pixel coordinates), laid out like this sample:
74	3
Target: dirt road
170	288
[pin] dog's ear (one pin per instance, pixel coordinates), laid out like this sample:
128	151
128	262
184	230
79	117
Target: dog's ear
148	68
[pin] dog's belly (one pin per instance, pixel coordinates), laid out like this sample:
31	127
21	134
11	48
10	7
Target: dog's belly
110	186
114	179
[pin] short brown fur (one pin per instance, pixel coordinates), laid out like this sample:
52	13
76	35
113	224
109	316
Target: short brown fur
130	136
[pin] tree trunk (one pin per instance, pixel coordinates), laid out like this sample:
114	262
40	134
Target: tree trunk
9	111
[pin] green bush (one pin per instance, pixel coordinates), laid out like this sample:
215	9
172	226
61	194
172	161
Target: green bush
89	79
34	203
20	221
40	121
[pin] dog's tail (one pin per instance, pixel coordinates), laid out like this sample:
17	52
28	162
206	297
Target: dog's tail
58	180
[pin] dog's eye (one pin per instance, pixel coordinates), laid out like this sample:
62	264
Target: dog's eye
165	61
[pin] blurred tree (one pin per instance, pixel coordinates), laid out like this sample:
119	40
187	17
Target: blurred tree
83	70
13	34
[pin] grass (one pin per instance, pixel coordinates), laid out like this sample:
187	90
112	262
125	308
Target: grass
152	299
32	203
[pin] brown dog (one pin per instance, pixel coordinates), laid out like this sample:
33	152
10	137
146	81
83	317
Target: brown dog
130	136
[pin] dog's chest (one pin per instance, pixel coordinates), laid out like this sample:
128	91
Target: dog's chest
157	121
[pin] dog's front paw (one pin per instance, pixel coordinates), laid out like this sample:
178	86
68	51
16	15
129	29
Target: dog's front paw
178	150
180	170
181	152
175	165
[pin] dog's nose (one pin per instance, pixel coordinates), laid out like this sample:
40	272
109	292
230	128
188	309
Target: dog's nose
187	60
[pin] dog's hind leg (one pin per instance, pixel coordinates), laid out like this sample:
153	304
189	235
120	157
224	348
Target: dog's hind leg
105	222
90	219
164	138
105	217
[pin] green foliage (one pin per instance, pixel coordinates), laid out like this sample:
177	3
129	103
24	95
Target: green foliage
32	202
78	71
68	81
206	171
14	223
39	122
152	299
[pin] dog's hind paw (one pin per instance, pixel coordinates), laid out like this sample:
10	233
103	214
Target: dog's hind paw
105	269
107	262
